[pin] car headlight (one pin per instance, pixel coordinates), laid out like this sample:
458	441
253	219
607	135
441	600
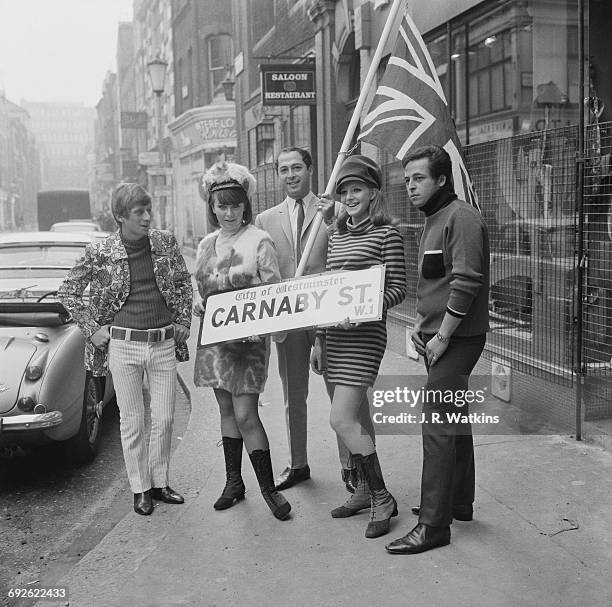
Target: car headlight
33	372
26	404
35	369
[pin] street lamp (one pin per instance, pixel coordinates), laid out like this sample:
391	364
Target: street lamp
157	75
228	85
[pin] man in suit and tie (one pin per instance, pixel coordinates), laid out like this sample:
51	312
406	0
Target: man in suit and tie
289	224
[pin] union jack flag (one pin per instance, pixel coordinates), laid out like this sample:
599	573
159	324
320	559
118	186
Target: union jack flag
410	109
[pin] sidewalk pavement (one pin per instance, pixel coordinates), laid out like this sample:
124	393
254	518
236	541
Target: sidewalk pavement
542	533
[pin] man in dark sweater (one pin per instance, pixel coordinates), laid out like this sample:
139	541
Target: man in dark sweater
136	321
450	334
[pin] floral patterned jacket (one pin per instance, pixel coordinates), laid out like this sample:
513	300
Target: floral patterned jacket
105	269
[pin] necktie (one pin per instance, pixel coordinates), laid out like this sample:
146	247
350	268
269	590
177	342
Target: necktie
298	232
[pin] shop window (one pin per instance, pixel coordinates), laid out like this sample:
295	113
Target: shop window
459	61
261	144
438	50
500	53
488	74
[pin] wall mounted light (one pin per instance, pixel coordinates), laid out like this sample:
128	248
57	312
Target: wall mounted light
228	85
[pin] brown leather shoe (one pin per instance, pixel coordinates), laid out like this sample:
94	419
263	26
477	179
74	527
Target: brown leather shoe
420	539
460	513
143	503
166	494
291	476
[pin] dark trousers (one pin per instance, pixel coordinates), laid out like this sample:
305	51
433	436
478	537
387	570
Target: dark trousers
448	449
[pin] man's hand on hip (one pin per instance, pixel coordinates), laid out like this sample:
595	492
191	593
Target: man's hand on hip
101	337
434	350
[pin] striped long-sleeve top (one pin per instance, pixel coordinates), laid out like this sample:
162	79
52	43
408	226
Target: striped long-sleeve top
354	355
366	245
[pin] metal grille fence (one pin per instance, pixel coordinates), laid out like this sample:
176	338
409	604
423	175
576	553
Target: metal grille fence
526	186
526	189
597	300
527	192
598	235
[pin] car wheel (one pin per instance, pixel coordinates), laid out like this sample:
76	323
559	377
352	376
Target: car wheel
83	447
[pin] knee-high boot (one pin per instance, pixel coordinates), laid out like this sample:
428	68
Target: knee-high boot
234	486
262	464
349	480
358	500
383	505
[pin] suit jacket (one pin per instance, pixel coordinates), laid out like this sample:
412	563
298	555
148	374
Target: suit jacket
277	223
105	269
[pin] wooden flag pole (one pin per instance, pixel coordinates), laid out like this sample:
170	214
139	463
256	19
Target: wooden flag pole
352	127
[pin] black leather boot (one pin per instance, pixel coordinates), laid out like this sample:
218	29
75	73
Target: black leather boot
234	486
349	479
262	464
383	505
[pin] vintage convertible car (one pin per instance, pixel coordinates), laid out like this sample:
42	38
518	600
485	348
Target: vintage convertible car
45	394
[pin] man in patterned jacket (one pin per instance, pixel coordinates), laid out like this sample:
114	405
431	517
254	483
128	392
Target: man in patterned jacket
136	320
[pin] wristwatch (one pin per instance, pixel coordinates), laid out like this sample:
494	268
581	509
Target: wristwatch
441	338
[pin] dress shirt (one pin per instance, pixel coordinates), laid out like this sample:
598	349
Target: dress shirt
308	200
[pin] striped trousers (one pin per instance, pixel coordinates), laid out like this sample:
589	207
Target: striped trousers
146	463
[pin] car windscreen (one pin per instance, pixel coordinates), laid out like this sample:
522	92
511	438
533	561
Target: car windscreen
41	255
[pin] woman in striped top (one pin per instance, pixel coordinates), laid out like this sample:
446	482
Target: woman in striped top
350	354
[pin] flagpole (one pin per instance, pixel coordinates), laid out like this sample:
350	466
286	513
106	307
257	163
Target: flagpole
352	127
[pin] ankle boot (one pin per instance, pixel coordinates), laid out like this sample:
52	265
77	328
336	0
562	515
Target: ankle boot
262	464
359	500
383	505
234	486
349	480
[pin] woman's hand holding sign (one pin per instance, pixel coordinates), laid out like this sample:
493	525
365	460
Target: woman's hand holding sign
346	324
198	307
317	356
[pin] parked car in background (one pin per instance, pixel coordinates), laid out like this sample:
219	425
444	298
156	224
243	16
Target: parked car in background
75	226
45	394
